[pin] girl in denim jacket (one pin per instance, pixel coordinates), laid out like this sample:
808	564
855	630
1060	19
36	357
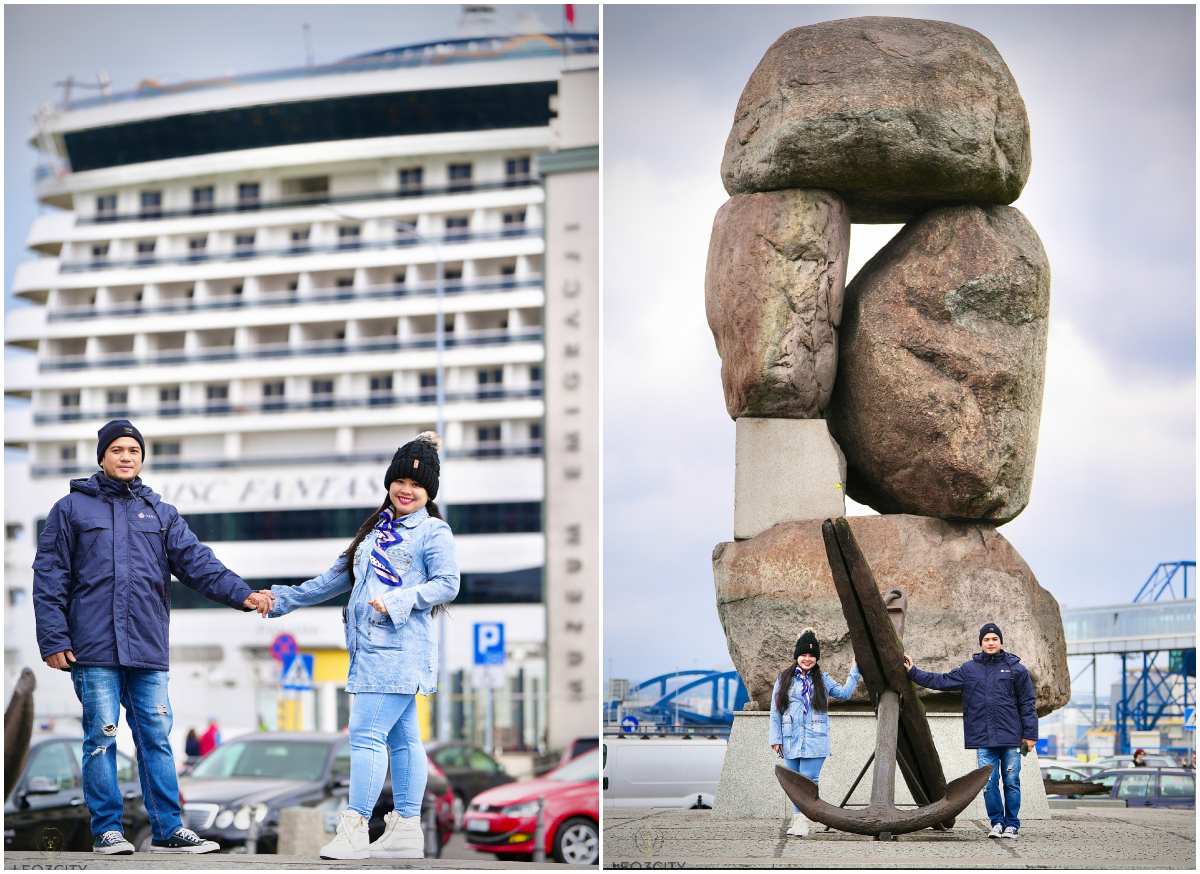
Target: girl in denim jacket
800	715
401	569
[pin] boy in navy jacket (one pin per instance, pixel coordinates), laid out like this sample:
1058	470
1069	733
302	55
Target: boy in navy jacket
999	716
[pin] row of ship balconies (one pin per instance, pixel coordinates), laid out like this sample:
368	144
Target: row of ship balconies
172	450
288	340
341	391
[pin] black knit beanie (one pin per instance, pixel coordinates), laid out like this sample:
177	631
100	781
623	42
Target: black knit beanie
807	644
992	628
114	430
417	460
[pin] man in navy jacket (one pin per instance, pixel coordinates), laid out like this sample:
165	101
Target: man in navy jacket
999	716
102	600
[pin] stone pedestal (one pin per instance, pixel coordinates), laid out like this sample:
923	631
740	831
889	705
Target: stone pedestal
786	470
749	790
303	831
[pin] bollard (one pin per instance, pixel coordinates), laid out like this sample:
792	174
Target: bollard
539	832
252	835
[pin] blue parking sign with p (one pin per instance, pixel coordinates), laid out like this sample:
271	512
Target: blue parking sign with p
489	643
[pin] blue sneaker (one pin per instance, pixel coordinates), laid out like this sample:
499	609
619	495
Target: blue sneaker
184	841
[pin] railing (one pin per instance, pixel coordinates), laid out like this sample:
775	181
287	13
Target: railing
289	298
225	408
444	52
284	350
504	450
402	193
1149	625
307	249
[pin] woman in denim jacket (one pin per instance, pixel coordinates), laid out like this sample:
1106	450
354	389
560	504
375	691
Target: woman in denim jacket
800	715
400	569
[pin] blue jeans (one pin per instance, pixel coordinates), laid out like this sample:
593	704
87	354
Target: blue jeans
810	768
143	694
1006	762
383	725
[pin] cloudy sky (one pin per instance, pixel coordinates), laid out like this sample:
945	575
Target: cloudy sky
1110	93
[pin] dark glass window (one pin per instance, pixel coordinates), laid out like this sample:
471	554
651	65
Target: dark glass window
106	204
202	199
508	270
456	222
489	434
151	203
399	278
322	393
118	398
494	375
273	391
516	167
483	107
428	386
243	244
514	587
69	399
460	177
170	448
248	194
100	251
410	179
348	236
218	398
381	383
145	250
535	432
535	374
168	397
345	282
66	453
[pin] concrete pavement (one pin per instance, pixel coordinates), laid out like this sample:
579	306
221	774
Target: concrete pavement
1078	838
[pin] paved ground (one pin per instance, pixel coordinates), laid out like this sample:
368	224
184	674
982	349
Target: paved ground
455	856
1080	838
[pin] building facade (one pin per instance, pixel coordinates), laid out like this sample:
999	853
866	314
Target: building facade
251	275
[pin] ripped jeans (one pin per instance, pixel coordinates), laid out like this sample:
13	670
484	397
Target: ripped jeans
1006	769
143	693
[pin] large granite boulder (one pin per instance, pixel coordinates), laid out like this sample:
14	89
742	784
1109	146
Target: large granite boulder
773	292
943	350
895	114
957	576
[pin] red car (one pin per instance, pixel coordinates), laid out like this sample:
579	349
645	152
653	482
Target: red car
503	820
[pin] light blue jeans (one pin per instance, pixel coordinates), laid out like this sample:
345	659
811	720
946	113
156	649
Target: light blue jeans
810	768
384	725
1006	764
143	693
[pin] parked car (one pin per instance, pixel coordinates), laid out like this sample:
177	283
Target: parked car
503	820
258	775
1059	774
46	810
1157	760
578	747
469	769
1150	787
662	772
1085	768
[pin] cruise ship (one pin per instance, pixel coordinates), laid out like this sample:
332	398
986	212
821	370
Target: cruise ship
280	278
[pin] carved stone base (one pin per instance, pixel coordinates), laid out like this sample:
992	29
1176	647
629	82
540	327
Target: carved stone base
749	790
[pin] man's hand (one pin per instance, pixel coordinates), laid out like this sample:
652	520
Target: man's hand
379	605
58	661
907	662
1032	744
262	601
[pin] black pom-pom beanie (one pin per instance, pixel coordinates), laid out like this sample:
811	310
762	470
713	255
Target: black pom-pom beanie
417	460
807	644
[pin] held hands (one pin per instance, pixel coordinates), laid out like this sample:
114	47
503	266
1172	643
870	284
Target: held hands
379	605
58	660
262	601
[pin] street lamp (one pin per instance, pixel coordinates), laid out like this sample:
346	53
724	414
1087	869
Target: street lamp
443	710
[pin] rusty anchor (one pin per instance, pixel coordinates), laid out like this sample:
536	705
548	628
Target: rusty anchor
903	737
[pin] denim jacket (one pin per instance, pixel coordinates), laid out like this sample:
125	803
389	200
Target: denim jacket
397	651
806	735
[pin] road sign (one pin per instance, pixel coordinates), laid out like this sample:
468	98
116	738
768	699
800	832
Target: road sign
629	724
488	677
1189	719
284	646
298	672
489	643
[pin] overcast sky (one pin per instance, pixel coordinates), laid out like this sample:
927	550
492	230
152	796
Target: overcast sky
44	44
1110	93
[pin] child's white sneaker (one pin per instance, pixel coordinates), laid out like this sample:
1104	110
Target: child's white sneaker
351	839
799	826
402	839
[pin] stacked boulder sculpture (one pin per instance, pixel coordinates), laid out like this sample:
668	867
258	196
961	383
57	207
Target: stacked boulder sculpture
926	371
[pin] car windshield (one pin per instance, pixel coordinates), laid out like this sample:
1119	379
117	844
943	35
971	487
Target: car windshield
281	759
585	767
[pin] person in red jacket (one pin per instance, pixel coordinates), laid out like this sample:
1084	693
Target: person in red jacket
211	739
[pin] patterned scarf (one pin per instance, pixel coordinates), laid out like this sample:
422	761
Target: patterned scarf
805	688
385	536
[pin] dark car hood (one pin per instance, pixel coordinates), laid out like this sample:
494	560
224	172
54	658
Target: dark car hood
226	790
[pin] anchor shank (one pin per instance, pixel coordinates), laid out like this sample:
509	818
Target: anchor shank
883	782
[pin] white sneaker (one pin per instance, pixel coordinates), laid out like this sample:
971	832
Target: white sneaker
997	831
350	840
1010	832
799	826
402	839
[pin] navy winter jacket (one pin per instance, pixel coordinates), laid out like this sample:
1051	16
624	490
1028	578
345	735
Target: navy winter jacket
102	575
998	699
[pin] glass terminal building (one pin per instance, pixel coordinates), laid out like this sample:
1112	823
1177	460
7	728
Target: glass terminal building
248	269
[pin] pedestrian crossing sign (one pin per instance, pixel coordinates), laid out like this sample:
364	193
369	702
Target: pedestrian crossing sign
1189	719
298	672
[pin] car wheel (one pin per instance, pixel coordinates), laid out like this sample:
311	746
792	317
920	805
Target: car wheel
141	843
460	808
577	842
